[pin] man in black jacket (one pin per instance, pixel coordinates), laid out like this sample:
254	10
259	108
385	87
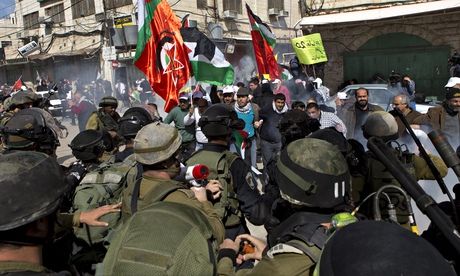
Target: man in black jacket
270	137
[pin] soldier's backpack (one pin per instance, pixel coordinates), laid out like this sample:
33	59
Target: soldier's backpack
219	168
379	176
167	238
100	187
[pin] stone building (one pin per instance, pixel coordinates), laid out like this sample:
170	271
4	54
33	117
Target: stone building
367	42
89	38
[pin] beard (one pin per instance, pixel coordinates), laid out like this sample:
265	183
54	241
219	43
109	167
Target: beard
362	103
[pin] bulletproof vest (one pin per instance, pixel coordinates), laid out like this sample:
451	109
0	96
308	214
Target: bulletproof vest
101	186
379	176
301	233
219	164
165	239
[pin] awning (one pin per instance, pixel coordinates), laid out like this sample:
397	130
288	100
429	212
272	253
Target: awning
382	13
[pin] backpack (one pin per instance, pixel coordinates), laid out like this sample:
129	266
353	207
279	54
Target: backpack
166	238
379	176
100	187
219	168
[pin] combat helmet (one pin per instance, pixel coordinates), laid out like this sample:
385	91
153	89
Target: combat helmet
381	124
133	120
32	187
313	173
88	145
108	101
380	248
155	143
29	127
218	120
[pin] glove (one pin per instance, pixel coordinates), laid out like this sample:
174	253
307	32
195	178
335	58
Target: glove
77	170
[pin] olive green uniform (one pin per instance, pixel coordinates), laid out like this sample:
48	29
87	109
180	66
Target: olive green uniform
26	269
281	264
154	189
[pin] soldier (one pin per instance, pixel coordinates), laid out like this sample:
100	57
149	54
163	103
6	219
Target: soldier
156	148
132	121
33	185
19	101
240	195
313	188
383	125
106	118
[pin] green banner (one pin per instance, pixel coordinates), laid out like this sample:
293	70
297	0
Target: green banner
309	49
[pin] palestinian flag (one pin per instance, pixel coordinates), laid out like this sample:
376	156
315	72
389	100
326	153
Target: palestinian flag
240	137
208	62
263	42
17	85
160	53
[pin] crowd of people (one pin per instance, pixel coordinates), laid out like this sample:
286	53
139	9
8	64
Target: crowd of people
176	195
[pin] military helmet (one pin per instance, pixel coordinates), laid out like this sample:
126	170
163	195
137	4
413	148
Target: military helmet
380	124
133	120
219	120
24	97
31	126
32	187
380	248
155	143
313	173
108	101
87	145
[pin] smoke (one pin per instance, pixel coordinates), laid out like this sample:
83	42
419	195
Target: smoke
245	69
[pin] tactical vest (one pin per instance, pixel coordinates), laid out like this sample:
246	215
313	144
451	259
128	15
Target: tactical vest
166	238
99	187
106	121
378	176
301	233
219	164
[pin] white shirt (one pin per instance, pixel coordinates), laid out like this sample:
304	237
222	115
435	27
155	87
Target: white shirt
188	120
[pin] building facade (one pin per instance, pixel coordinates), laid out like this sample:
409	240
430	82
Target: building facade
86	39
368	41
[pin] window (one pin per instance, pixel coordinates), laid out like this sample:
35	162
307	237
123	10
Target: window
111	4
6	43
56	13
276	4
201	4
233	5
82	8
31	21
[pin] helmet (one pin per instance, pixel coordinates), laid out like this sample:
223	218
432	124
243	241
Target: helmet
31	126
313	173
155	143
400	252
381	124
87	145
23	97
133	120
219	120
295	124
32	186
108	101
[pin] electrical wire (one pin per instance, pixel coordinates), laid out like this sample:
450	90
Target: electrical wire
39	22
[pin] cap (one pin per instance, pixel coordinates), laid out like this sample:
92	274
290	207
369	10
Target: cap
452	92
277	81
183	96
243	91
197	95
452	82
228	89
342	95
